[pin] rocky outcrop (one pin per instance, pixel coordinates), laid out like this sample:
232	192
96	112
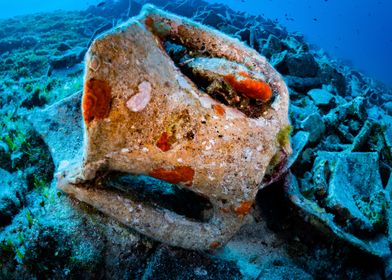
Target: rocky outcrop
13	191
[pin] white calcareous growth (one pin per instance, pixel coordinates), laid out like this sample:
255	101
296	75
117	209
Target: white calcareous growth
140	100
95	63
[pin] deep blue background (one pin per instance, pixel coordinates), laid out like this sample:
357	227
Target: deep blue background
10	8
356	31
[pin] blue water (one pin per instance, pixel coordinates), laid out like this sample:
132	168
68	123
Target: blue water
359	32
22	7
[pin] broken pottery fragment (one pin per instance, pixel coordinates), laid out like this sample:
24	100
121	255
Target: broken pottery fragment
278	168
171	100
347	197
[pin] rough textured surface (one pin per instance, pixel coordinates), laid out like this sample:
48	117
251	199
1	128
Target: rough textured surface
321	97
227	169
12	195
53	236
184	265
346	196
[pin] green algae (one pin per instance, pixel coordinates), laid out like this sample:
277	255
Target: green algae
283	136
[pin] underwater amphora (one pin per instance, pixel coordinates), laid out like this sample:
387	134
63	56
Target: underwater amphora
172	99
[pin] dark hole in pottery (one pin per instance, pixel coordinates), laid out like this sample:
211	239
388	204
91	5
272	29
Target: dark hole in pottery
218	89
158	193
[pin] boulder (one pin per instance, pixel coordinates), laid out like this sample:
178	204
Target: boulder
315	126
321	97
68	59
350	223
355	192
301	65
375	243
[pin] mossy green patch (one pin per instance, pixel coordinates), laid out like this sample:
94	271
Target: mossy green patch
373	208
283	136
275	160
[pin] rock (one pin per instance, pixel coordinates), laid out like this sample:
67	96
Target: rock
353	109
8	44
278	269
12	195
332	76
181	264
9	61
297	115
276	29
321	97
354	85
116	134
78	239
271	47
302	84
355	126
299	111
299	142
243	34
47	122
374	96
5	157
277	59
69	59
374	243
35	99
388	189
300	65
229	29
29	41
387	96
315	126
294	45
63	47
344	132
355	191
362	137
388	107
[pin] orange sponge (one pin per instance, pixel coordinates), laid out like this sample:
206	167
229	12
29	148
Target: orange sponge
249	87
96	100
180	174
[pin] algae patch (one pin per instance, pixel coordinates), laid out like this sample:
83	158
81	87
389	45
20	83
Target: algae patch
283	136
